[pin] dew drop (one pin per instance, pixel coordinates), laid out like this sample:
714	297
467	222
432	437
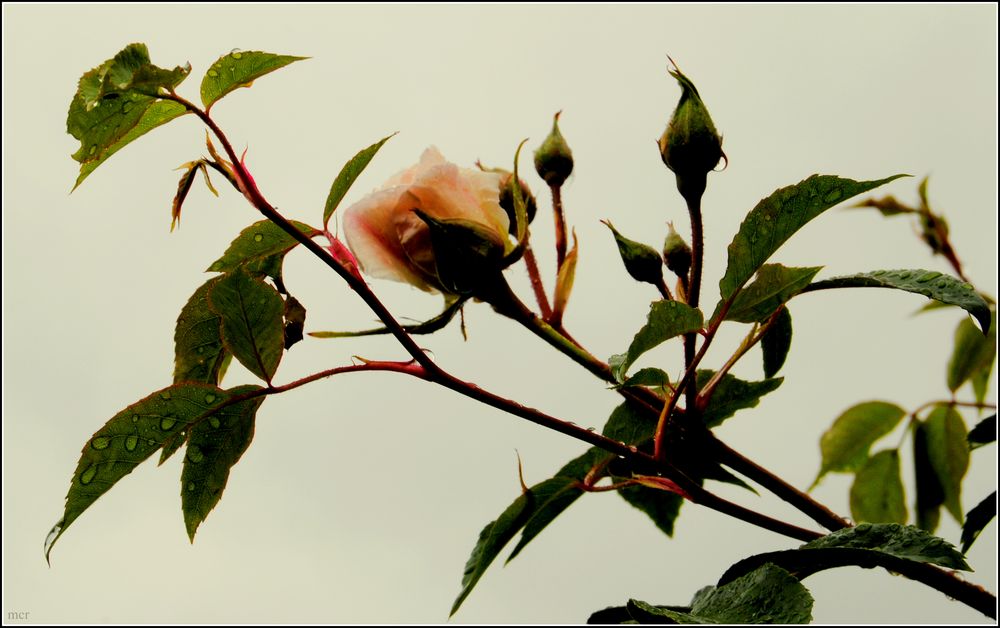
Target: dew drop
194	454
200	350
905	274
258	237
88	474
93	149
51	537
126	107
190	486
236	54
213	73
167	423
209	398
151	442
165	394
215	422
131	442
832	196
101	442
135	418
928	276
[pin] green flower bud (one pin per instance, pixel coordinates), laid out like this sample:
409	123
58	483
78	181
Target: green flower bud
507	197
642	262
690	147
466	254
554	159
676	253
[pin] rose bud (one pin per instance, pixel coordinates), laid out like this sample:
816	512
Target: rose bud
391	241
507	196
676	253
642	262
554	159
690	146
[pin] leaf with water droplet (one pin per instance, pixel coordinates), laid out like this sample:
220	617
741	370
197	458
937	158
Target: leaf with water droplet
213	449
128	438
732	394
776	218
252	322
100	124
774	286
259	248
666	320
943	288
901	541
239	69
348	174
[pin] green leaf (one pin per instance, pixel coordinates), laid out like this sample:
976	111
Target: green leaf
551	498
666	320
157	114
348	174
252	322
732	394
930	493
929	283
776	342
845	445
767	595
660	506
258	243
977	519
774	286
973	353
948	453
984	432
648	377
630	425
777	217
113	102
981	383
491	541
907	542
130	437
214	446
239	69
877	491
198	351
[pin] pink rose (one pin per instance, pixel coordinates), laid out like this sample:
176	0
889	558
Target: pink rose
390	241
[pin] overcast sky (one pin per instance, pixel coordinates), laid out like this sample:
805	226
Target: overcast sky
362	496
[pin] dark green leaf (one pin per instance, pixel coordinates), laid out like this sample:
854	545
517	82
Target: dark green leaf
767	595
648	377
239	69
776	342
252	323
660	506
198	348
732	394
984	433
845	445
257	243
777	217
948	452
157	114
551	498
930	493
775	284
629	425
491	541
644	613
132	71
973	353
907	542
929	283
977	519
877	491
214	446
611	615
348	174
130	437
451	307
666	320
981	383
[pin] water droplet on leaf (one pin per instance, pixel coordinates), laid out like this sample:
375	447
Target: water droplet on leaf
194	454
167	423
209	398
101	442
190	486
213	73
258	237
88	474
131	442
237	54
165	394
928	276
135	418
832	196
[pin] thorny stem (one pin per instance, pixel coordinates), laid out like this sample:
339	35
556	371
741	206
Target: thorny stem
431	372
536	281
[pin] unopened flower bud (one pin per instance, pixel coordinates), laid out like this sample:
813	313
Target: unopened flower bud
690	147
507	198
676	253
642	262
554	159
466	253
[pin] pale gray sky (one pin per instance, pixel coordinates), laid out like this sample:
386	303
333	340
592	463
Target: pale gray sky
361	497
